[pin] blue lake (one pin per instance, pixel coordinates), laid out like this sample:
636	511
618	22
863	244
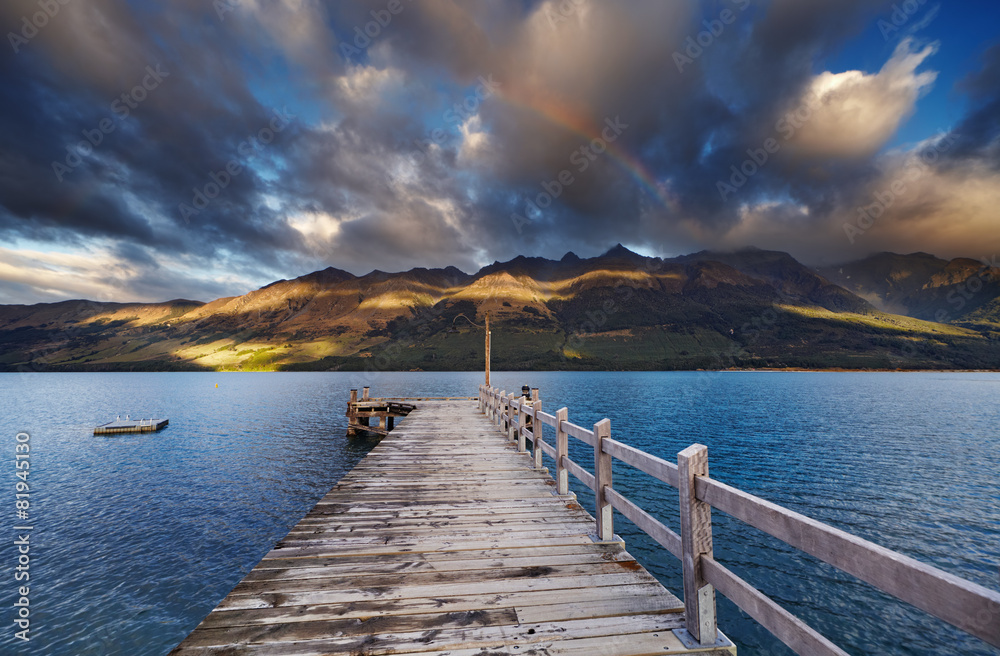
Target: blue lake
137	537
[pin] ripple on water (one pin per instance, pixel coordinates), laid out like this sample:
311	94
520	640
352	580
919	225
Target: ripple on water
138	537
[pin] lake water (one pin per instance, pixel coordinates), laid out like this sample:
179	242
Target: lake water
137	537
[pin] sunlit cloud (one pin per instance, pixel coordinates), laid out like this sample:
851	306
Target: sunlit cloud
853	114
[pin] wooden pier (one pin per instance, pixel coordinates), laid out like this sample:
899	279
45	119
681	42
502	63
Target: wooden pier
127	425
385	411
446	539
452	538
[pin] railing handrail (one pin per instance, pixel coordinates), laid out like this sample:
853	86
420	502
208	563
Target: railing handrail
968	606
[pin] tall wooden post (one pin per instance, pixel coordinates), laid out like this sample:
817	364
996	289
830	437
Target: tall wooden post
602	478
696	542
521	437
364	393
352	413
562	451
487	348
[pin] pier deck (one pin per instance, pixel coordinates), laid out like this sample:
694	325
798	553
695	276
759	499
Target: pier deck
445	540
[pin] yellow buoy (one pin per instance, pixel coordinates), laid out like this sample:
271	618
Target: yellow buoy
216	386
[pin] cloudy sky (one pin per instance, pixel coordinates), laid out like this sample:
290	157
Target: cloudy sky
202	148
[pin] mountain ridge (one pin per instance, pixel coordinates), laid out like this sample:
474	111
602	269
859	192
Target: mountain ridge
618	310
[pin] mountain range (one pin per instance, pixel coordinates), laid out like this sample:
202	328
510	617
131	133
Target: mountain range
620	310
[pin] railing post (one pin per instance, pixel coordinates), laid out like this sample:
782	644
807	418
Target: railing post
536	434
364	393
521	444
562	451
510	417
501	404
602	478
696	542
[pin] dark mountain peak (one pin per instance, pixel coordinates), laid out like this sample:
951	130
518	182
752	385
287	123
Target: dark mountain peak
750	260
327	276
963	262
620	255
375	275
620	251
539	268
448	276
570	258
787	275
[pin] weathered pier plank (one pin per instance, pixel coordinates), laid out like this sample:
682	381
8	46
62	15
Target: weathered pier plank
445	539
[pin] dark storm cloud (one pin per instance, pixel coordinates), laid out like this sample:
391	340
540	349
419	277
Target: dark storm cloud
359	179
978	135
165	140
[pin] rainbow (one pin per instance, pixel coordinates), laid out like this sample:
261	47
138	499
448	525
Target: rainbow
570	118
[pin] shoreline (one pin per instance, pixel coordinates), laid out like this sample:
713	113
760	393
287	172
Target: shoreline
385	371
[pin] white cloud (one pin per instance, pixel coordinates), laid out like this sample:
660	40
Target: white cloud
60	275
318	229
96	272
853	114
475	140
366	85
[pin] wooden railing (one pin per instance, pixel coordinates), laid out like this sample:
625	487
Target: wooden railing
966	605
